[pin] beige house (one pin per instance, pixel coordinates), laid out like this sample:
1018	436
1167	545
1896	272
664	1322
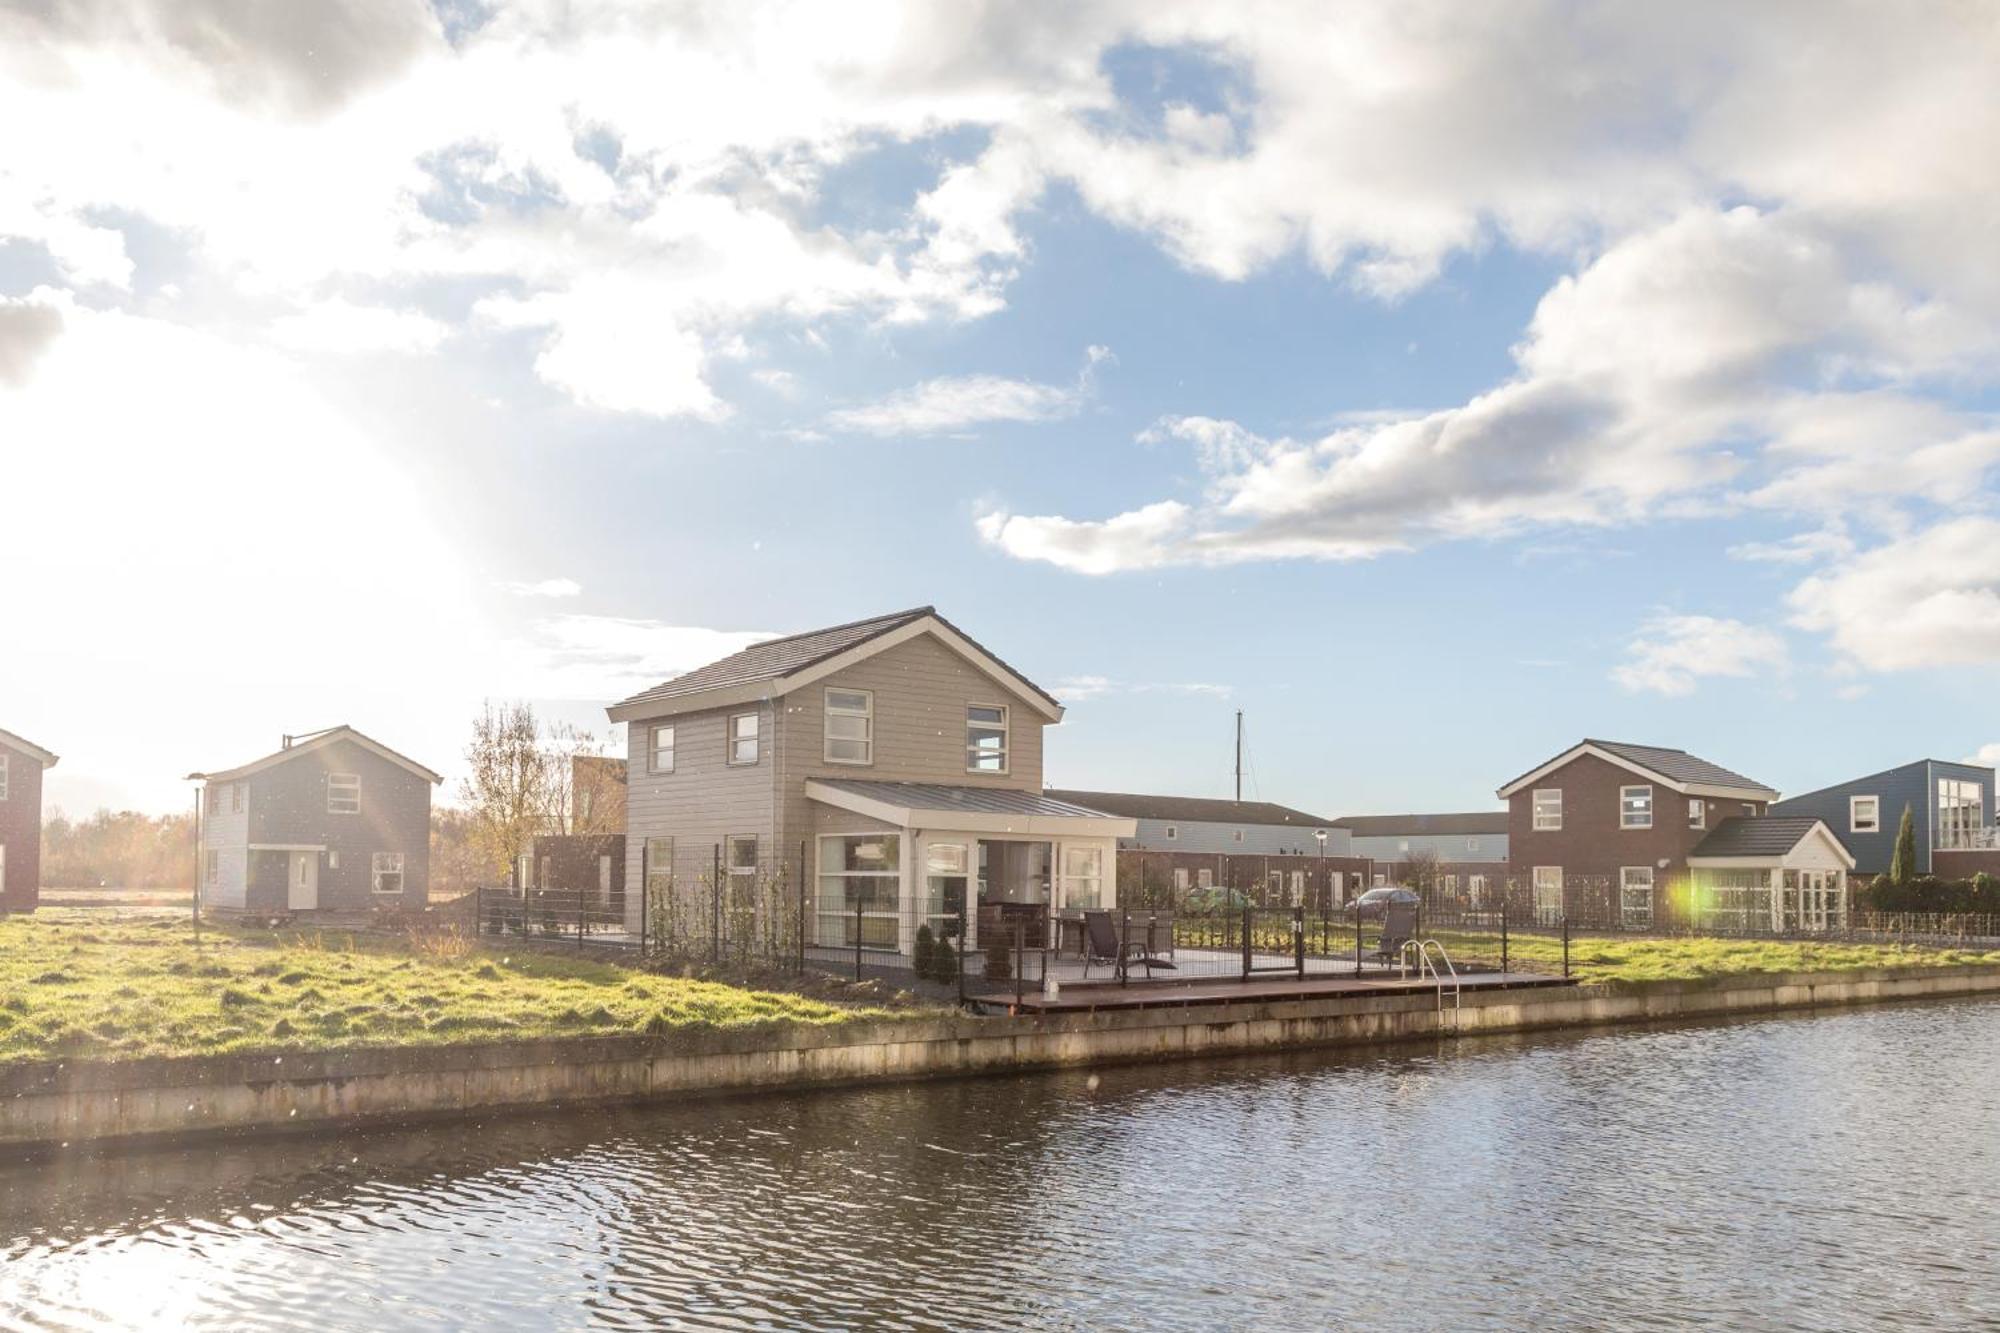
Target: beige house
894	761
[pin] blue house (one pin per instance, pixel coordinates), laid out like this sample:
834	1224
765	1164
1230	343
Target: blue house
1951	807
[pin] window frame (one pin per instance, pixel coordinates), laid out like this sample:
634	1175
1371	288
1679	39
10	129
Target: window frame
1628	918
731	740
236	797
1006	751
1536	887
1874	818
653	747
376	870
867	715
1625	811
649	866
4	787
348	780
730	868
1173	833
1697	813
1536	811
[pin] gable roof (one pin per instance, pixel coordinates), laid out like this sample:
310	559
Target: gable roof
320	740
46	758
775	665
1192	809
1748	836
1678	769
1387	826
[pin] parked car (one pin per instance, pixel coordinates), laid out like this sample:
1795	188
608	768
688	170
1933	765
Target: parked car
1375	902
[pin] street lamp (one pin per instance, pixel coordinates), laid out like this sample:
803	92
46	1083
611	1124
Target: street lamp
1324	887
197	777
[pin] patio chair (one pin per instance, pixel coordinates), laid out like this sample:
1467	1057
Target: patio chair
1101	945
1399	926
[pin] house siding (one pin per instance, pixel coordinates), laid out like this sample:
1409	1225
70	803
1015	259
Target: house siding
286	805
1591	844
21	832
704	799
1491	852
1913	785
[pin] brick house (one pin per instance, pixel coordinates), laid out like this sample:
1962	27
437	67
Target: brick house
1607	826
21	765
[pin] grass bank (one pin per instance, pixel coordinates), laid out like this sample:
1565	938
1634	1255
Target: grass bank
86	984
1625	958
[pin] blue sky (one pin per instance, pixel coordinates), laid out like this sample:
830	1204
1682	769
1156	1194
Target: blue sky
1434	392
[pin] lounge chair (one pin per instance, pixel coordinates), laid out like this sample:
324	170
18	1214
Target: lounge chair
1101	945
1399	927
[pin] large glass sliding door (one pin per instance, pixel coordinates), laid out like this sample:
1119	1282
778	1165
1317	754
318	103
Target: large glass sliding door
860	871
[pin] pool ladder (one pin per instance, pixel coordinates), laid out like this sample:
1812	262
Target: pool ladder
1426	965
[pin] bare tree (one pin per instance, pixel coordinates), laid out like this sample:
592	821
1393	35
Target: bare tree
508	792
586	787
1420	871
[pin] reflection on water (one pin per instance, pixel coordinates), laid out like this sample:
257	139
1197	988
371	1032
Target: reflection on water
1798	1172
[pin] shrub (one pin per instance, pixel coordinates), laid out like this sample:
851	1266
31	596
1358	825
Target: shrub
944	962
1000	956
921	954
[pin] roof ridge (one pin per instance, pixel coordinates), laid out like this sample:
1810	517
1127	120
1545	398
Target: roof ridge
910	614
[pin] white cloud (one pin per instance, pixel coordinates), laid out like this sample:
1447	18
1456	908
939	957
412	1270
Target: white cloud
1137	540
545	588
1077	689
1987	755
1646	385
955	403
1928	599
1671	654
340	327
610	657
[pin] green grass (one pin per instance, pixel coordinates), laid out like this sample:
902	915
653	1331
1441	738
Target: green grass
1601	958
88	984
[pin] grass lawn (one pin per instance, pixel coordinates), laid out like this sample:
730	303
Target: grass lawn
87	983
1613	958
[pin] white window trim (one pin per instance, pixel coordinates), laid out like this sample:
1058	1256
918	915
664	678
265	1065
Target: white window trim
1173	833
729	739
653	748
1623	821
1853	815
345	779
1697	813
377	869
1006	740
867	715
1535	809
730	869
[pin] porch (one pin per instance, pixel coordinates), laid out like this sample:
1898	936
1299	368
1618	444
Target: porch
1777	873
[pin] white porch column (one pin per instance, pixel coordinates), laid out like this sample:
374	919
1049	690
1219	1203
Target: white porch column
1778	900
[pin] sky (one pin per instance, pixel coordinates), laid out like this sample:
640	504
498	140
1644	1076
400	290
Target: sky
1435	384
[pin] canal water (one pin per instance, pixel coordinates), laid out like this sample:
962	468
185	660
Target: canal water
1798	1172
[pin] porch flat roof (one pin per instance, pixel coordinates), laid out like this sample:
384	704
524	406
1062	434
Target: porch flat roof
979	809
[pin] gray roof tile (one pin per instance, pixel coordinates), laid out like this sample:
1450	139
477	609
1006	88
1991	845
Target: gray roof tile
1194	809
1680	765
970	800
1745	835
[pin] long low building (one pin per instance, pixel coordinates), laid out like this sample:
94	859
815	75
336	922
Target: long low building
1208	824
1470	836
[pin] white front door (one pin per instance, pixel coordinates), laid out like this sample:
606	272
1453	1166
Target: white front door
303	894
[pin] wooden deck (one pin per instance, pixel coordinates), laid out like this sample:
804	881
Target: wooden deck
1082	997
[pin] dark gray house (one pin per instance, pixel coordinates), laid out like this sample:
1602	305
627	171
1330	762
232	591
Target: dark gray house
1951	806
332	822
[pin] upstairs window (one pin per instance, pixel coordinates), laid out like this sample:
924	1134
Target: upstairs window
386	874
850	727
1635	807
1472	844
343	793
1548	809
236	797
1864	814
743	738
1697	812
663	750
985	738
1173	833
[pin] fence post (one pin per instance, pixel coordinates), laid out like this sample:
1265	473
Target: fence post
1248	921
1299	937
960	946
1020	961
1357	939
715	909
1124	941
857	939
1565	944
478	911
802	904
1503	934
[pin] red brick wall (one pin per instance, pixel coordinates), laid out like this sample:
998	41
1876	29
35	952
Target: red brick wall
1964	865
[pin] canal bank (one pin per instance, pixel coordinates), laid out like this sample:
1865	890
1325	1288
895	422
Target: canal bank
51	1105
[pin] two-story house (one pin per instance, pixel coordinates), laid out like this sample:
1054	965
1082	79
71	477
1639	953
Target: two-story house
894	762
1950	804
1607	828
331	822
21	765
